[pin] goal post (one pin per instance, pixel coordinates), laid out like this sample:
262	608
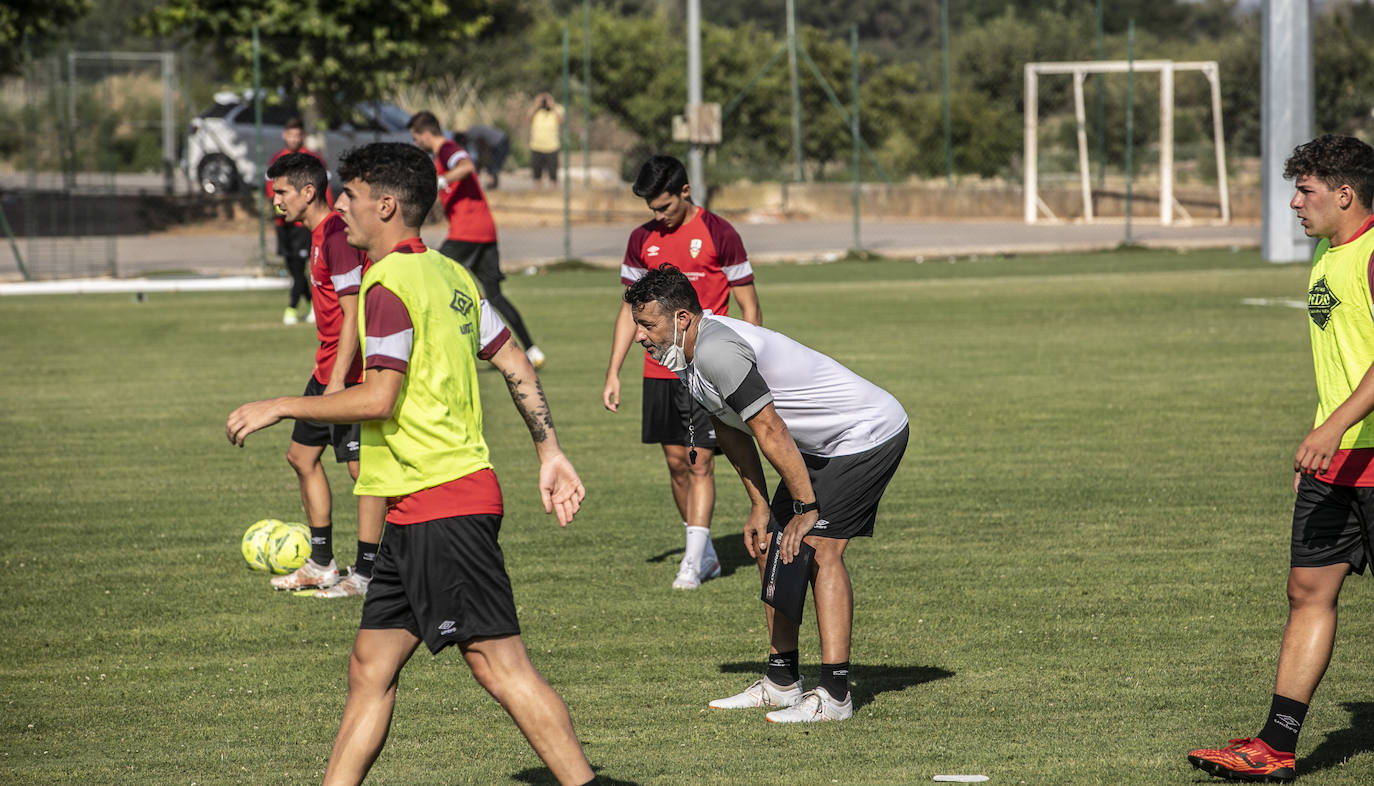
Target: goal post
1079	71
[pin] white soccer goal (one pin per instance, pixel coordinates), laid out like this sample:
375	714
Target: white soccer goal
1034	205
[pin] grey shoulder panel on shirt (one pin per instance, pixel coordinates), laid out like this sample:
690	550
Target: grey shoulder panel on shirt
727	361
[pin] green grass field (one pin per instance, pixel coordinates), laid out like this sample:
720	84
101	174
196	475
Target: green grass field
1078	573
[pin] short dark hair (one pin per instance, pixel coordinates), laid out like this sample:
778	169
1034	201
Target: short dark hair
404	171
301	170
1335	161
668	287
294	122
424	121
660	175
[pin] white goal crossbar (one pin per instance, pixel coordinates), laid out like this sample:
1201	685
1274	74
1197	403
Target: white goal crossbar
1079	71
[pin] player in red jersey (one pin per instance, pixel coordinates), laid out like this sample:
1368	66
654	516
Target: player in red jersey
471	239
293	237
709	251
336	273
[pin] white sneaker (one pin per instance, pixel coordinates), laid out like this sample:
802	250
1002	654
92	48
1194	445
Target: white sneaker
309	576
310	317
289	317
815	705
536	357
689	577
355	586
763	693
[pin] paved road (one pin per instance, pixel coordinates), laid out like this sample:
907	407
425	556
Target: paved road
208	254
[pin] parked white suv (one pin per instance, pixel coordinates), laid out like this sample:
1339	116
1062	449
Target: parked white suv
219	146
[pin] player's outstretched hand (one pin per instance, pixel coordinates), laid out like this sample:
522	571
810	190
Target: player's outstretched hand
560	488
756	532
253	416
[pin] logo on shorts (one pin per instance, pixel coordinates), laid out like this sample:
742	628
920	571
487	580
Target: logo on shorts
447	628
821	524
1320	303
352	445
695	247
461	303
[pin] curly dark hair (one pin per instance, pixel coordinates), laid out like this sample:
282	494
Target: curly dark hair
404	171
301	170
668	287
1335	161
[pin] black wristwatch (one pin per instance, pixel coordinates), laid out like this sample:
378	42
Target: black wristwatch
799	507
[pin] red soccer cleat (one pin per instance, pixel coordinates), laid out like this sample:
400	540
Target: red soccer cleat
1248	759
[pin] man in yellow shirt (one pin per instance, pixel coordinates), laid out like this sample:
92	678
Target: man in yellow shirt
1333	515
546	125
440	575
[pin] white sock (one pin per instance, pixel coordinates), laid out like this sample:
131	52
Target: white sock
697	540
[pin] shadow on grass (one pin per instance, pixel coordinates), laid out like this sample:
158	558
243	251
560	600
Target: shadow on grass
865	682
729	549
1340	746
541	776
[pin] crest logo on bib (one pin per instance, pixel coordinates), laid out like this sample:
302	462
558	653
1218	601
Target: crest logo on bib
1320	303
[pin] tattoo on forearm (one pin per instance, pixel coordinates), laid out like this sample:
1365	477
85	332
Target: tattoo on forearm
533	407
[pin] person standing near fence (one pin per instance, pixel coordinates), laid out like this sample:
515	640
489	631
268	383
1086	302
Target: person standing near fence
293	237
546	127
471	239
489	147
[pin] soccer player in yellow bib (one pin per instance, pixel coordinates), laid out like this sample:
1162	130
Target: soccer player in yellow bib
440	575
1333	515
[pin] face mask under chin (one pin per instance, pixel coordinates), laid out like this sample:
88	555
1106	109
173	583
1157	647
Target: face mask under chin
674	358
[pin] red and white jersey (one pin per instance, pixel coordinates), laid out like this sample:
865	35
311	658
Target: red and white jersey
705	248
336	269
469	216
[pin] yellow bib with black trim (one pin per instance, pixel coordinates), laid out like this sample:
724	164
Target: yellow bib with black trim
1341	324
434	434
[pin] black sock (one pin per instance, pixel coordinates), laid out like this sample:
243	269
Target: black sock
1286	715
322	544
367	556
783	668
835	679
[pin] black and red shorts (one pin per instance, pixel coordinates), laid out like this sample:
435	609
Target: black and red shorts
444	581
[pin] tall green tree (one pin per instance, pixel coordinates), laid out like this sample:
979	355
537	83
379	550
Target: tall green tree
28	26
337	52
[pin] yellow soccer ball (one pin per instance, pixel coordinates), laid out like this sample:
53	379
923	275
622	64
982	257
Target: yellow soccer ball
254	545
288	547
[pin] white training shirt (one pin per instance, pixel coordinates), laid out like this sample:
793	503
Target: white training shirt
738	368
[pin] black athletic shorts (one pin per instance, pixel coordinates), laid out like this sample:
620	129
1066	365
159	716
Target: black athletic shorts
667	410
482	260
444	581
1331	525
544	163
848	489
343	436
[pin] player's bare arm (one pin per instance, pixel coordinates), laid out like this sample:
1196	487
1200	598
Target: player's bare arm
1315	453
739	449
781	451
372	399
348	346
560	488
621	338
747	298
